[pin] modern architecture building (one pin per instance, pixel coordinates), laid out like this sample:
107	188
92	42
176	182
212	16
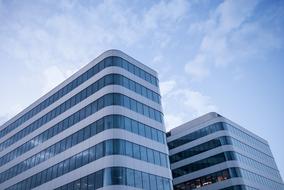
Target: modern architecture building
212	152
102	128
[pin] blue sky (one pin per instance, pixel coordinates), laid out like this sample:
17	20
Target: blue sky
224	56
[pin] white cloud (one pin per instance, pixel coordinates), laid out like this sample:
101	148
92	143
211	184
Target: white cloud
8	113
53	75
197	68
167	87
217	47
183	104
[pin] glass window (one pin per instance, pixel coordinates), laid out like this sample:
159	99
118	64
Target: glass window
118	121
126	102
160	183
77	185
66	166
108	121
153	182
163	159
141	129
78	160
99	179
100	125
109	147
130	177
145	181
100	103
92	153
134	125
167	185
138	179
139	108
127	124
160	136
85	157
150	155
117	99
154	134
87	132
128	149
108	100
119	146
157	157
136	151
99	150
118	176
107	177
148	132
143	151
132	85
84	183
91	182
133	105
126	82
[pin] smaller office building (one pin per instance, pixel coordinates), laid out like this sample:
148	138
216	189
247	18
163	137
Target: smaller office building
212	152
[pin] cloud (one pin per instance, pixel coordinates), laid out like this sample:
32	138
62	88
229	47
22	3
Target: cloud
218	47
167	87
8	113
183	104
53	75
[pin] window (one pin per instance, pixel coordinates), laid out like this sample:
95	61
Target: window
134	125
78	160
130	177
163	159
109	147
143	151
145	181
127	124
157	157
138	179
153	182
99	150
99	179
160	183
84	183
126	102
141	129
119	146
108	100
92	153
150	155
136	151
85	157
91	182
139	108
148	132
128	149
154	134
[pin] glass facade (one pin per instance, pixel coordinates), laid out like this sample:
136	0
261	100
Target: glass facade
119	176
29	160
105	123
204	150
104	101
105	148
209	179
107	62
219	126
76	99
225	140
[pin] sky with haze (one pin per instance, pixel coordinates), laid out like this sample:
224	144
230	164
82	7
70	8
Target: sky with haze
224	56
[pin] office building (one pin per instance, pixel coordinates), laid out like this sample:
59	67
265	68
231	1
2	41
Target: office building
102	128
212	152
